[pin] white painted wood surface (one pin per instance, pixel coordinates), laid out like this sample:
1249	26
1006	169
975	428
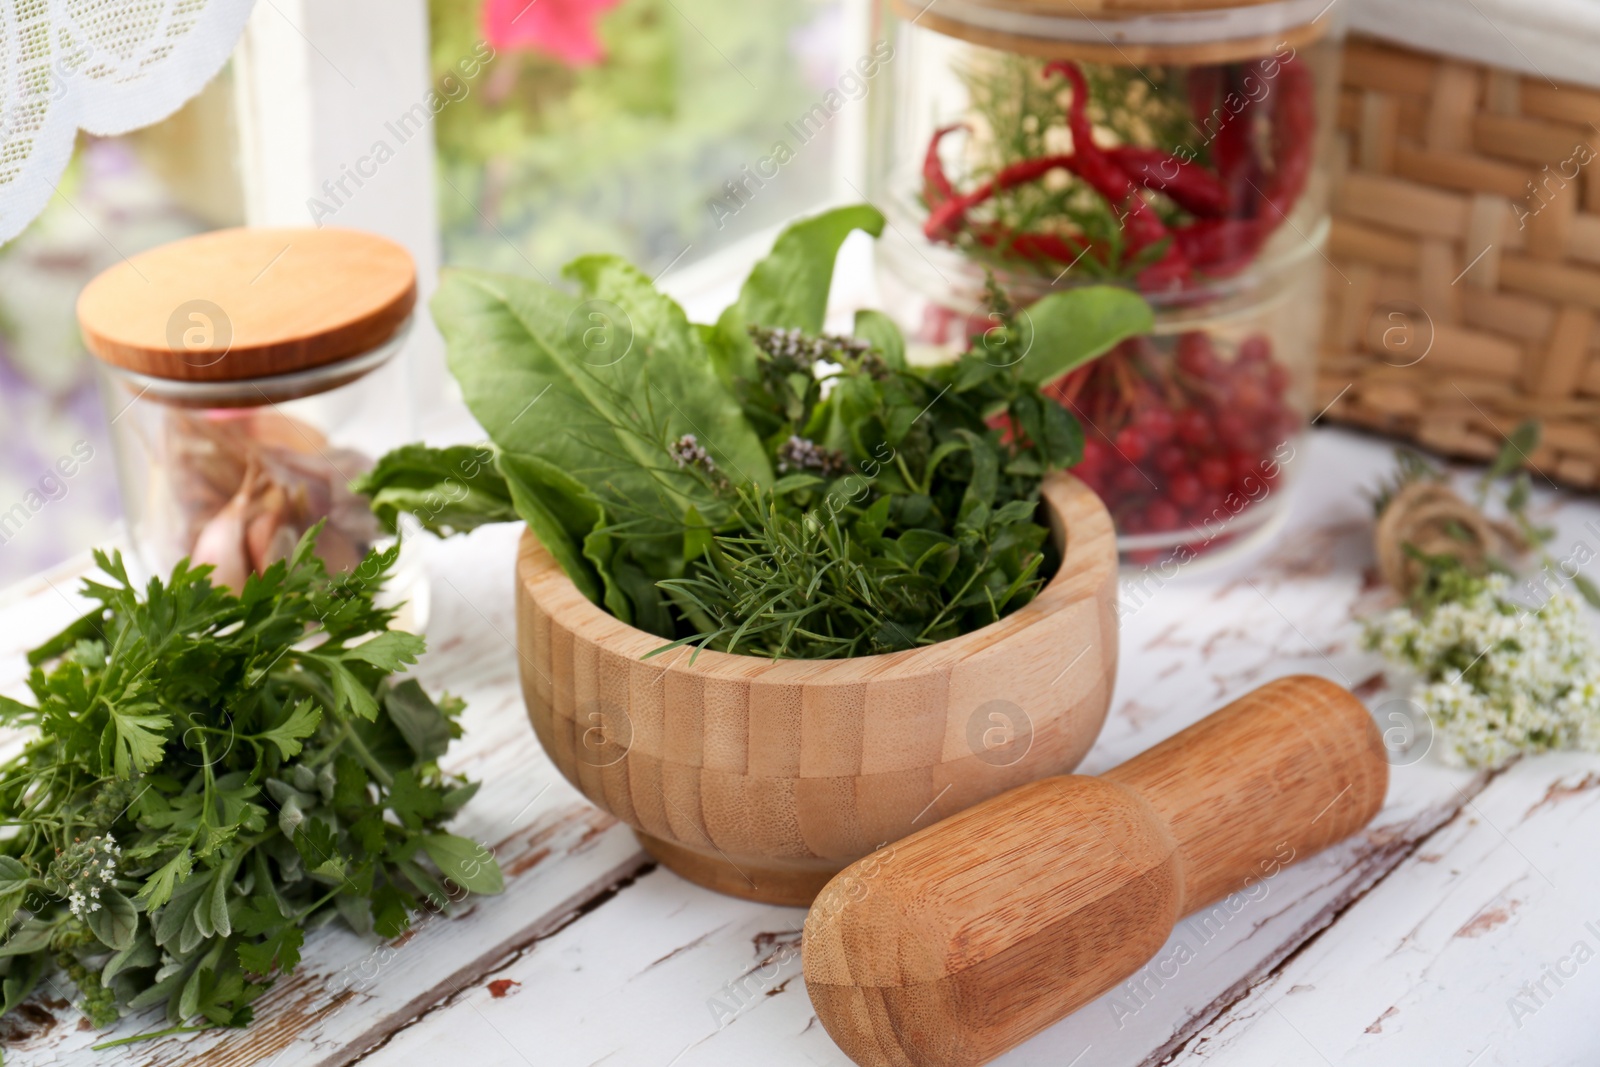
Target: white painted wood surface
1423	941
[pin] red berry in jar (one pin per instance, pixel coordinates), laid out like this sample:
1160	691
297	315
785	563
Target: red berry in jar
1185	489
1210	507
1095	455
1214	472
1231	428
1194	429
1132	443
1255	349
1196	356
1156	422
1245	466
1182	437
1277	378
1171	459
1128	481
1161	517
1251	397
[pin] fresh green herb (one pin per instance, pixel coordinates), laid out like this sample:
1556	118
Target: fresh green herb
448	490
209	775
1431	536
757	485
1513	454
1411	467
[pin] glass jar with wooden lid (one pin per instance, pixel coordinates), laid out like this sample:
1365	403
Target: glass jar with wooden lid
1178	147
249	376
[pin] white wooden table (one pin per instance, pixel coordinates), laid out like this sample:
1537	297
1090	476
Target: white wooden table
1457	930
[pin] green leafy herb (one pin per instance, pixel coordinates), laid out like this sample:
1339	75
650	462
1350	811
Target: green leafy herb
757	485
208	775
1514	452
1442	536
449	490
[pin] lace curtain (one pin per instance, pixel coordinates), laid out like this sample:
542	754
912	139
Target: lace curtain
103	66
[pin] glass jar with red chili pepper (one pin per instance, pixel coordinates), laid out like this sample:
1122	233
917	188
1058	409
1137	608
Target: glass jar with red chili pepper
1178	147
250	375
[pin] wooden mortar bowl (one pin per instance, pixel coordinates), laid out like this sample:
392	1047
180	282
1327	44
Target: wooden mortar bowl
763	778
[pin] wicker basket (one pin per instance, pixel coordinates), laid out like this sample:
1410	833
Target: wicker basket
1466	238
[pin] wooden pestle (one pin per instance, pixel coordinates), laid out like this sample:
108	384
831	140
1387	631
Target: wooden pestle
970	936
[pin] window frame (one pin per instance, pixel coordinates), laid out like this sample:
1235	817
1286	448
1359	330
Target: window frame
315	79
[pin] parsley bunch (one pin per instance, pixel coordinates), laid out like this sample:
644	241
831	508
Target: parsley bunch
210	774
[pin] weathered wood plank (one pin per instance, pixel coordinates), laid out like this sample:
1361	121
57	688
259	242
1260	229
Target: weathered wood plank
1479	949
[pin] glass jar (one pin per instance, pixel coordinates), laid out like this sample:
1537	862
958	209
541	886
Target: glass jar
1182	152
249	377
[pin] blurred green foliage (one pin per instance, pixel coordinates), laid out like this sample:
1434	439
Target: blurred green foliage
624	156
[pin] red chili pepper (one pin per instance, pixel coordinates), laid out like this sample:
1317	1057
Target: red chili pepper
1236	209
936	320
933	176
1221	247
1260	202
949	215
1078	109
1035	246
1172	271
948	208
1051	246
1233	153
1294	135
1202	84
1190	185
1094	166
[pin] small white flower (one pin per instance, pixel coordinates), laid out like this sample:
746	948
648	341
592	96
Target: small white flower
1498	678
82	869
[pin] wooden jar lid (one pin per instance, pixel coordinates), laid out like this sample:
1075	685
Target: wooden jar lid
1113	32
235	305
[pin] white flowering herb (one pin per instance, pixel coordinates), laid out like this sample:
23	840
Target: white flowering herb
1497	677
82	870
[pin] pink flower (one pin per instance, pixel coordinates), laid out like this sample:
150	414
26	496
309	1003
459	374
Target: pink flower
564	29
